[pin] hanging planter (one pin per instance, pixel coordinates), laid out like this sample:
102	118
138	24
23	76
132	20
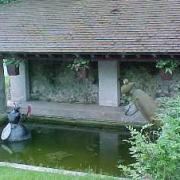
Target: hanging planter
82	73
167	68
12	70
12	65
81	67
165	75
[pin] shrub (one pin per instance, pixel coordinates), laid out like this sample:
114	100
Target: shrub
157	159
169	107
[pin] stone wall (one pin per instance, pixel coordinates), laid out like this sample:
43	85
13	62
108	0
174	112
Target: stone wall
147	78
54	81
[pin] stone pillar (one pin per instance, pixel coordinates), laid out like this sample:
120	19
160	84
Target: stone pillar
19	85
2	89
109	86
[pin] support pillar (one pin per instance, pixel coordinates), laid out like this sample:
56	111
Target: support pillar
19	85
2	89
109	86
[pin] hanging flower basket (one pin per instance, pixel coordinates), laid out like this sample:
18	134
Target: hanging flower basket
165	75
82	73
166	68
12	65
81	68
13	70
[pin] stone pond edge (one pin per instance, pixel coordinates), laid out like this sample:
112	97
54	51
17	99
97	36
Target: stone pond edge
79	122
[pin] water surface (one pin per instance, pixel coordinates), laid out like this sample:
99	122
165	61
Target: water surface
72	148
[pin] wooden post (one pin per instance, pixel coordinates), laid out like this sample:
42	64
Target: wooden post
2	89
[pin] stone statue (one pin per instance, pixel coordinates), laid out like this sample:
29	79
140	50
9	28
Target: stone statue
141	101
14	130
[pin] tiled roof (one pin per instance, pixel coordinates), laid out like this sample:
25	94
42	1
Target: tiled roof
90	26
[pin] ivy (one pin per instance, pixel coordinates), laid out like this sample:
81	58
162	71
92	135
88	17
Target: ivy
5	1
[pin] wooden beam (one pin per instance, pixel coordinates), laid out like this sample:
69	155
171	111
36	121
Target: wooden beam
92	57
129	57
126	58
77	55
63	56
154	55
138	56
123	56
107	56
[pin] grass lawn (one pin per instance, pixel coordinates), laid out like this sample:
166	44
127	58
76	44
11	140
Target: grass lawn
18	174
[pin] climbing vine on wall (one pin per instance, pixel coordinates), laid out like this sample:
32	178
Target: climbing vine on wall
5	1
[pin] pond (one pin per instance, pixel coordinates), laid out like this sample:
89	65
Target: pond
72	148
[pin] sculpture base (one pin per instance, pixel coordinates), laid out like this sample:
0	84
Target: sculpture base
18	133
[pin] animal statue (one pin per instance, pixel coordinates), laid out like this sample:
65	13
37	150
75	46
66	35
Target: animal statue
14	116
142	101
15	130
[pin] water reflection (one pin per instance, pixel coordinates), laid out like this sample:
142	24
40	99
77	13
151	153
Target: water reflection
16	147
108	150
71	148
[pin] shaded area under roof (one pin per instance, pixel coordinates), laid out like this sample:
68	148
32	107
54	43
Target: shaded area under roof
90	26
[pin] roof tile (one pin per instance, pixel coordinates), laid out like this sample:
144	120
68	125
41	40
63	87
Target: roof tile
90	26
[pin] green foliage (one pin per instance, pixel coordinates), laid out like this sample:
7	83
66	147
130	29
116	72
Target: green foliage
5	1
168	65
12	60
169	107
78	64
158	159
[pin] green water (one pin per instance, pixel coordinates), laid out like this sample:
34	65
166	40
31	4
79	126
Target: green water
72	148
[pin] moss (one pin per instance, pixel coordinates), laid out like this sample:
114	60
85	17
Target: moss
2	118
8	1
121	126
